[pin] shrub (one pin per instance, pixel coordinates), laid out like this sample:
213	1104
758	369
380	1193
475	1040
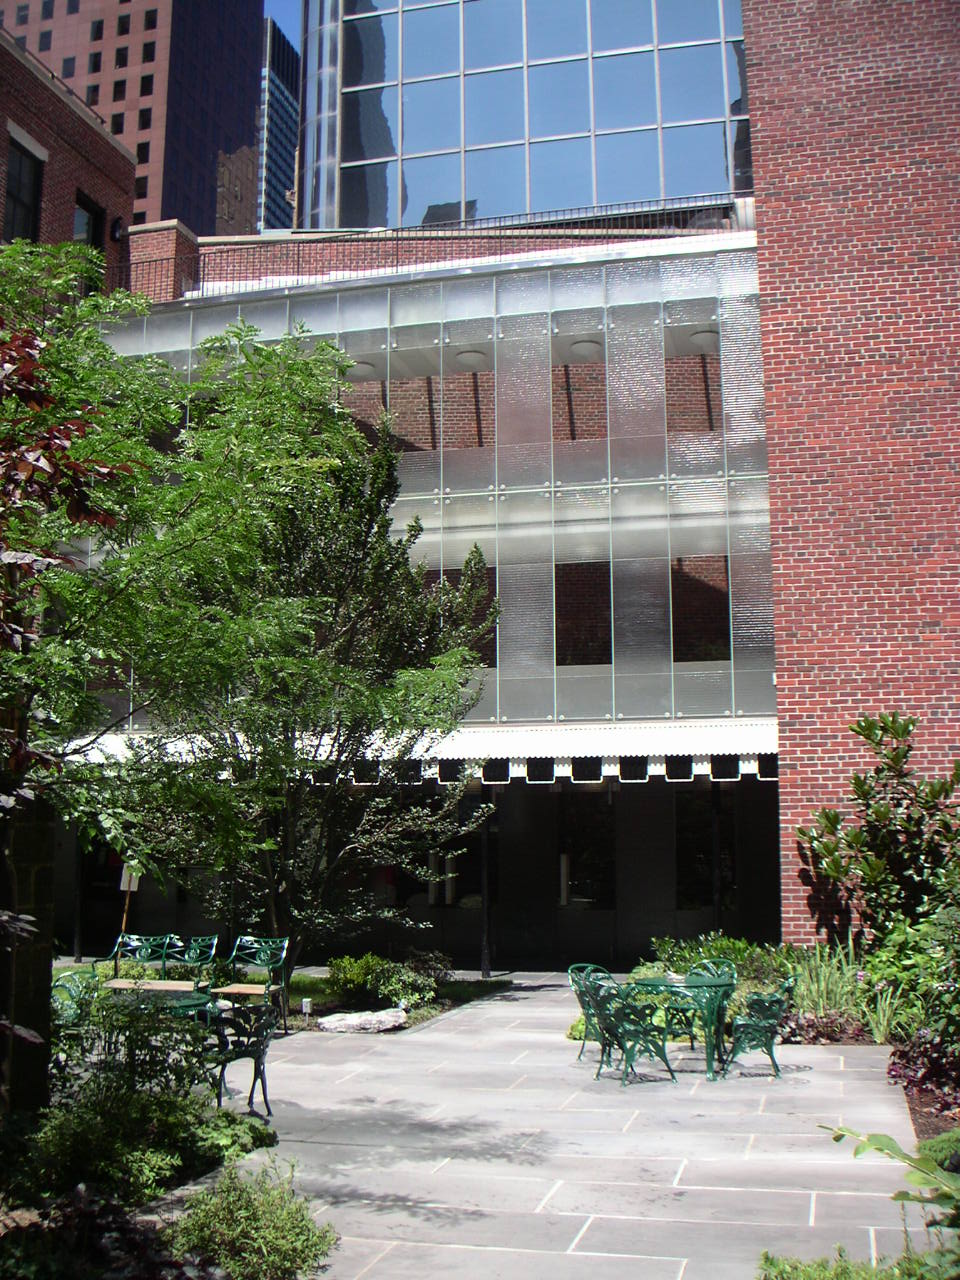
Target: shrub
254	1228
912	1266
372	981
944	1149
430	964
754	961
928	1062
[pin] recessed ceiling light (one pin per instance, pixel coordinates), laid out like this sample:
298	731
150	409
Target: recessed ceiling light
706	341
586	348
361	370
472	359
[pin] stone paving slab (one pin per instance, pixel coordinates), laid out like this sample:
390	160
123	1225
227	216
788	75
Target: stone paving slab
478	1145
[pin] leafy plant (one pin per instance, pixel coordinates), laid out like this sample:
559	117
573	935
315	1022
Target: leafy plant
827	980
944	1149
756	961
254	1228
928	1062
371	980
912	1266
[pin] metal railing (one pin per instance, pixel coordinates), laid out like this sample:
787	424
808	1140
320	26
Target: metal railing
305	257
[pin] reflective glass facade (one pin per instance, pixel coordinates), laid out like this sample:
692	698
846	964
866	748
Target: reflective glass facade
462	109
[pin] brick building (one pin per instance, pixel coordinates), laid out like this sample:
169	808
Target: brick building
707	442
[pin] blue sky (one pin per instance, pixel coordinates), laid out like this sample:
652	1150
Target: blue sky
286	14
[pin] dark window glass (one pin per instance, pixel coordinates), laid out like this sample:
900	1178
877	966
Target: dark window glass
93	95
431	41
120	57
624	91
46	39
146	86
96	29
139	218
23	15
621	24
691	83
366	6
687	20
150	20
705	847
140	187
119	90
694	161
741	157
68	68
369	124
370	50
431	115
737	79
588	839
431	190
732	18
368	195
628	167
116	122
496	183
123	24
149	51
20	42
582	604
73	6
21	214
560	175
493	107
144	118
88	221
556	28
46	10
143	152
492	33
559	98
93	63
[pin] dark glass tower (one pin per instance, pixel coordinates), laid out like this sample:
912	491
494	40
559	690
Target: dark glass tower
279	124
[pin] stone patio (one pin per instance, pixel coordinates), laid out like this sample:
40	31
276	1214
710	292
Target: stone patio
477	1144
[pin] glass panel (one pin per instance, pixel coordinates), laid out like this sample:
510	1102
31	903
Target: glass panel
691	83
469	407
577	287
698	523
628	167
694	404
694	280
741	157
523	293
431	41
318	314
496	182
749	505
414	404
687	20
559	99
635	392
468	522
624	91
414	304
579	394
556	28
620	24
360	6
523	401
269	317
583	603
169	332
732	18
737	79
560	175
628	282
641	630
363	308
743	406
369	51
431	190
127	338
431	115
700	610
492	33
368	195
466	299
426	550
208	321
369	124
753	655
525	588
694	161
493	107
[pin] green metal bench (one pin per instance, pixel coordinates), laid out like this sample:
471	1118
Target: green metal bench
244	1032
195	953
625	1024
757	1027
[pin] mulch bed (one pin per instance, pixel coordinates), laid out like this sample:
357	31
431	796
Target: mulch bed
927	1114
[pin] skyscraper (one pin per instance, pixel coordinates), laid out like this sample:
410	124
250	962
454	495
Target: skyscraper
279	124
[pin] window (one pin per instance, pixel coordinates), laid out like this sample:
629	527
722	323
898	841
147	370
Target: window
119	90
139	218
88	221
143	152
145	118
20	42
123	24
120	57
96	29
68	68
149	51
46	10
140	188
73	6
116	122
46	39
21	215
93	95
146	86
150	20
23	15
93	63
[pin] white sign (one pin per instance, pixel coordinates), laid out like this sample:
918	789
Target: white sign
129	881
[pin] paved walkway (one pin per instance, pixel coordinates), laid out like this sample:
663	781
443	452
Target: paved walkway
478	1146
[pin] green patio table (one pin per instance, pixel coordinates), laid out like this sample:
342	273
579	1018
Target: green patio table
710	996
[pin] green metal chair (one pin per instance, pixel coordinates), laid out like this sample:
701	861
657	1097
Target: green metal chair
195	953
626	1025
244	1032
142	948
263	953
576	976
757	1027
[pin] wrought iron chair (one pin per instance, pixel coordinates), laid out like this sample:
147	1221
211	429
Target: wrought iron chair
576	976
626	1025
244	1032
757	1027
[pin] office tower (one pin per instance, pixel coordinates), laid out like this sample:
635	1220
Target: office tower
279	124
178	83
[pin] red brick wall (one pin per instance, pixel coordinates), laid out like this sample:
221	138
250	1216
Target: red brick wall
82	155
855	116
170	249
692	386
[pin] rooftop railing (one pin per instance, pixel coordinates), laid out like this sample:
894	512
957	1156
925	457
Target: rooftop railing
309	257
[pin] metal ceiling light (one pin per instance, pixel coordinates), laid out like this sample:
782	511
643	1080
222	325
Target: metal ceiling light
586	349
705	341
475	360
361	370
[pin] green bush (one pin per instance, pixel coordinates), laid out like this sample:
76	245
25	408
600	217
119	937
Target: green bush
912	1266
754	961
254	1228
944	1149
371	981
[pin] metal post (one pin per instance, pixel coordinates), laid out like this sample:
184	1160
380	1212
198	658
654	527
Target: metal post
484	902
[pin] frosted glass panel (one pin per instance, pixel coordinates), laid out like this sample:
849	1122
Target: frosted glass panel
641	637
702	690
698	524
416	304
363	309
693	395
469	521
523	401
163	333
208	321
639	521
632	282
574	287
526	640
753	651
486	707
525	527
581	526
635	392
269	317
520	293
127	339
469	406
585	693
689	277
464	299
319	314
579	391
749	506
426	549
743	384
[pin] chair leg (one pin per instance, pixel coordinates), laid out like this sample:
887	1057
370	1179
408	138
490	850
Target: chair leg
220	1084
773	1061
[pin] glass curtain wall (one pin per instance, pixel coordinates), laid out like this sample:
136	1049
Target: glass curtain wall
463	109
598	431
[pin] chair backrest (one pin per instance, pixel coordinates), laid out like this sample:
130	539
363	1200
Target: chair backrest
709	968
144	948
265	953
246	1030
192	951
